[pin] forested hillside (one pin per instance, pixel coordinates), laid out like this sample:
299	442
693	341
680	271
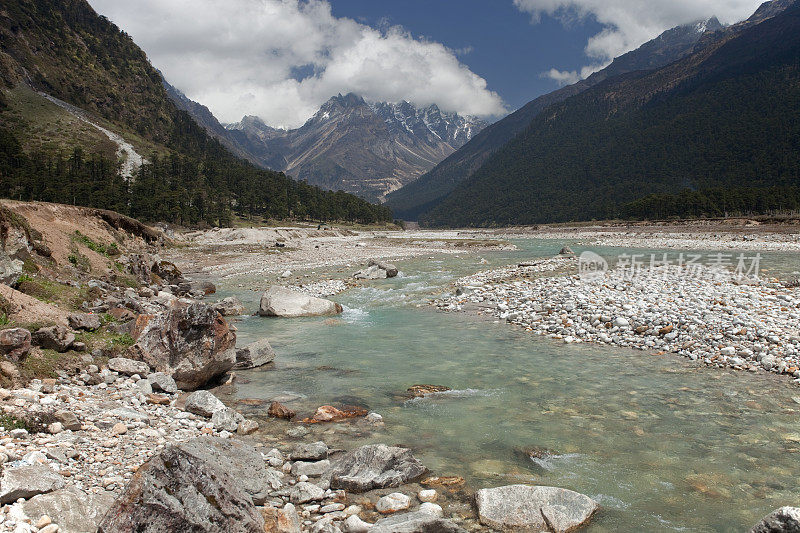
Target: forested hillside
716	132
64	49
428	191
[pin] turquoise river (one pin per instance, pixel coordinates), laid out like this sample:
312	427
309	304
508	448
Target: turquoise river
662	443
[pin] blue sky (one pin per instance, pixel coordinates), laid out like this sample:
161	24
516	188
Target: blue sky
281	59
506	49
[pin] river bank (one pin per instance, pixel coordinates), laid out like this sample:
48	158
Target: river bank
715	317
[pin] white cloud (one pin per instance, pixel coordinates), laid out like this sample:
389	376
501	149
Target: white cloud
243	57
627	24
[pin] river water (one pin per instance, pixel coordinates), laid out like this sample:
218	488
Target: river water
662	443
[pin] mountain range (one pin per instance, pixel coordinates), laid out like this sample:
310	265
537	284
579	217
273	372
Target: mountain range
714	132
368	149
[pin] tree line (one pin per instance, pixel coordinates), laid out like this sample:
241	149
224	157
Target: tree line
173	188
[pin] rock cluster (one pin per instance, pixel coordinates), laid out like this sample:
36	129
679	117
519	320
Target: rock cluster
716	319
377	270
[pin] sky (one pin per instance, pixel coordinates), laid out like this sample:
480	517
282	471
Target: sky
281	59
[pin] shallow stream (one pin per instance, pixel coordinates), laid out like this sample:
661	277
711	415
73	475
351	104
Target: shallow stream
662	443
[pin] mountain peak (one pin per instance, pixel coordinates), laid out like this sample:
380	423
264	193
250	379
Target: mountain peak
348	100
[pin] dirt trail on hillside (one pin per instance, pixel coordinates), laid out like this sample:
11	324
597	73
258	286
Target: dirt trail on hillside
131	160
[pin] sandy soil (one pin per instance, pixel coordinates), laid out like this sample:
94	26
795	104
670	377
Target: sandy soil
29	310
58	224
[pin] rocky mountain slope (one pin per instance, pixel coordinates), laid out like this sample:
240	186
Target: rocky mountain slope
365	148
425	193
713	133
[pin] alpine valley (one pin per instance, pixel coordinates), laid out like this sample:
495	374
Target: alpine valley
368	149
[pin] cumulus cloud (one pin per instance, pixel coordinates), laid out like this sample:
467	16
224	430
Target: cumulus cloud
281	59
627	24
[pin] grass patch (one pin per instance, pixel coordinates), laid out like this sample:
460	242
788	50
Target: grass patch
111	343
108	250
52	292
44	364
9	422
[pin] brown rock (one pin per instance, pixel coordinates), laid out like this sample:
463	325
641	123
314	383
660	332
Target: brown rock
278	410
15	343
122	314
9	370
641	329
666	329
421	390
192	343
158	399
328	413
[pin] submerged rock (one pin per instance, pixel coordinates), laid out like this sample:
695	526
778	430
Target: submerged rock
416	522
375	466
192	343
419	391
329	413
253	355
536	508
193	486
783	520
278	410
230	306
283	302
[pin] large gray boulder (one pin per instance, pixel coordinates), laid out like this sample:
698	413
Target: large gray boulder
783	520
286	303
416	522
375	466
58	338
377	270
27	481
192	343
160	381
128	367
253	355
313	451
193	486
84	321
390	269
203	403
534	508
75	511
372	272
230	306
15	343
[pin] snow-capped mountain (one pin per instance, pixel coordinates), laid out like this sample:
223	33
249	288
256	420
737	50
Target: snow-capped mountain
365	148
